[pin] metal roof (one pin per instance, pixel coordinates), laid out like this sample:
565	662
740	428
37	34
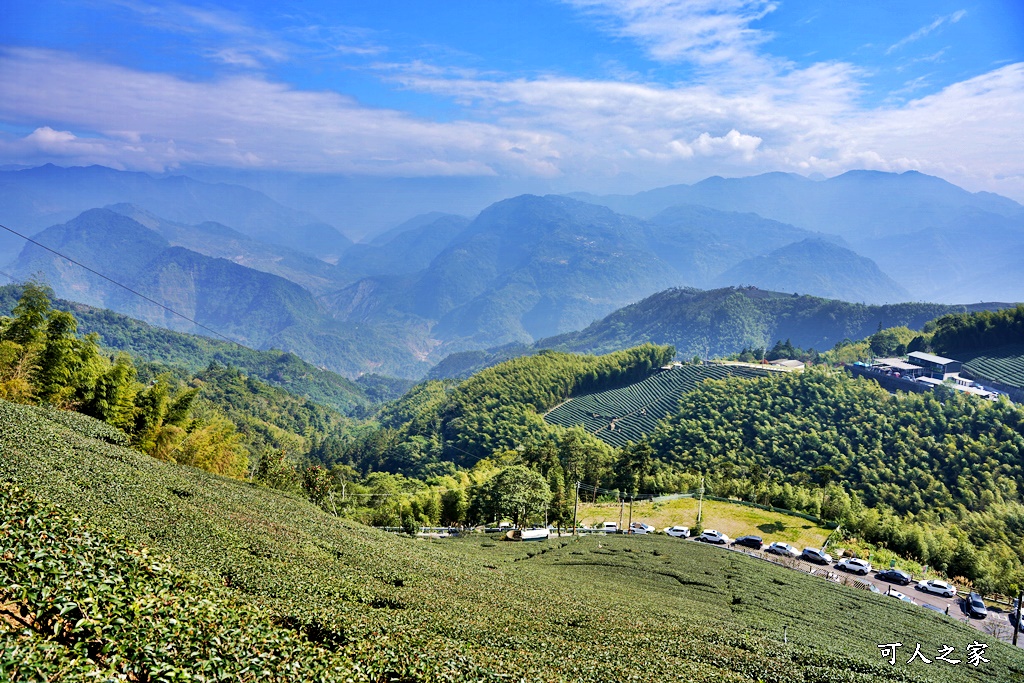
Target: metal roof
929	358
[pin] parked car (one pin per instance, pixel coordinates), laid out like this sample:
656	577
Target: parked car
610	527
855	565
946	590
754	542
678	531
894	576
640	528
784	549
816	556
975	606
712	536
900	596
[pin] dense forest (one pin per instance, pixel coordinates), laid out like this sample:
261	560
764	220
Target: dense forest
936	476
982	330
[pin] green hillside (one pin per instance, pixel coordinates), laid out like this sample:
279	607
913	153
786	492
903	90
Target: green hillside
245	583
628	414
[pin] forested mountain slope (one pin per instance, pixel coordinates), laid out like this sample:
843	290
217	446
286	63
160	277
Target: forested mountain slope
953	469
220	241
255	308
724	321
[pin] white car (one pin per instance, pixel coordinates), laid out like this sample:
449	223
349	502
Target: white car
784	549
712	536
855	565
678	531
900	596
640	528
946	590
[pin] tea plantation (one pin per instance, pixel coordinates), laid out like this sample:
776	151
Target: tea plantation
630	413
237	582
1003	364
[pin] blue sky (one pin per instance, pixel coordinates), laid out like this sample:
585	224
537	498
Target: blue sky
583	94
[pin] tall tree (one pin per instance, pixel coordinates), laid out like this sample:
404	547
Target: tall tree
520	493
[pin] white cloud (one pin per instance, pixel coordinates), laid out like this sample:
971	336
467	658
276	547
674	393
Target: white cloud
731	142
801	120
926	29
709	33
176	121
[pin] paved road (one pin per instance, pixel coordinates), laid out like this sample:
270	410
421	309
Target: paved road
996	623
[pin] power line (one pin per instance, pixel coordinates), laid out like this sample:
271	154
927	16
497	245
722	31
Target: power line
115	282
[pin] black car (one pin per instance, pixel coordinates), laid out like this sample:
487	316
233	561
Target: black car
894	576
754	542
975	606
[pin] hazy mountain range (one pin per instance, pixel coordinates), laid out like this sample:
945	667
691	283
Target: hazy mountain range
524	269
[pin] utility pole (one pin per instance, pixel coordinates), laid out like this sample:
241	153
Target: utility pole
700	502
622	504
1016	621
575	506
631	513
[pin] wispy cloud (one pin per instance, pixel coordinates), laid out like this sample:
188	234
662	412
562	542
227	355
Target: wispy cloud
152	120
725	121
927	29
708	33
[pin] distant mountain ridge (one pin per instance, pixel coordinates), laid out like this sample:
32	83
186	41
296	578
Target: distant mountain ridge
936	240
252	307
718	322
530	267
855	205
220	241
33	199
525	269
821	268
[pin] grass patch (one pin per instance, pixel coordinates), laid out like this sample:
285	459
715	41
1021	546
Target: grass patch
733	520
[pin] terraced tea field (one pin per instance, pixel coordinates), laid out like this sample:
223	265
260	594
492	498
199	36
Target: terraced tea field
244	583
628	414
1004	364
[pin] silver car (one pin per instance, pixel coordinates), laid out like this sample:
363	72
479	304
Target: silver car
816	556
783	549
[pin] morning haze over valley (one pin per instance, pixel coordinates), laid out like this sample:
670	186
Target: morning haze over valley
557	340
